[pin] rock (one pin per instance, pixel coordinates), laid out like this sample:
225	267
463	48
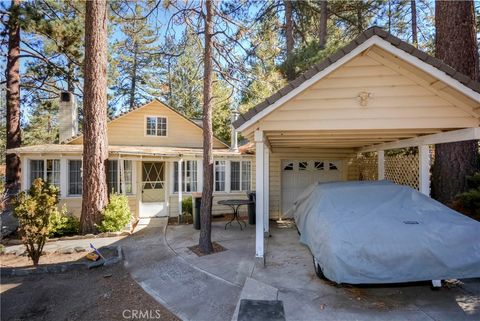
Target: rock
79	249
67	250
20	252
88	236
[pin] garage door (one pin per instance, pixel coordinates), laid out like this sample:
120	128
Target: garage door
298	174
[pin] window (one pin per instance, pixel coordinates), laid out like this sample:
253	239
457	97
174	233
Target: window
240	175
319	166
189	176
115	178
156	126
303	166
74	177
220	167
288	167
46	169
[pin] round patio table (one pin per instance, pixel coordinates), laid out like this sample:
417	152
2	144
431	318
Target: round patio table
235	204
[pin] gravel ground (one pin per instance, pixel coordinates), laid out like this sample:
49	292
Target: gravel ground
105	293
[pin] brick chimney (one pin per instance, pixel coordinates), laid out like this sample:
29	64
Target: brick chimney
68	116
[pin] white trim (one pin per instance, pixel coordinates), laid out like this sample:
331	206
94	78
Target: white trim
439	138
266	189
381	164
155	116
424	169
180	185
429	69
259	227
374	40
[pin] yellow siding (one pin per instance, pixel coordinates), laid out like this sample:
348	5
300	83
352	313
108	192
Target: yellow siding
401	96
130	129
74	205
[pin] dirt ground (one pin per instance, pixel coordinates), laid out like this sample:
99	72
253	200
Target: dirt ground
11	260
105	293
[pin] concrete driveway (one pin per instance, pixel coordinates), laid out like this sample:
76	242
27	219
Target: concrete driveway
210	287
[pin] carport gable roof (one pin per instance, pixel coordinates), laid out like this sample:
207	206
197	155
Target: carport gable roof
368	38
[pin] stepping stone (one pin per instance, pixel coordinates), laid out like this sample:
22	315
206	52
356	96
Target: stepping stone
261	310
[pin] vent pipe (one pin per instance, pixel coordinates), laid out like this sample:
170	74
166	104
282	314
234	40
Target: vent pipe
234	135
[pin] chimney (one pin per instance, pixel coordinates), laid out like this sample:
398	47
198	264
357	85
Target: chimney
68	116
234	135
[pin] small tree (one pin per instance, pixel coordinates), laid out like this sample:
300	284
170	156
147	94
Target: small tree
33	210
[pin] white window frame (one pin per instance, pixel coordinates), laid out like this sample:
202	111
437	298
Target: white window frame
174	176
156	122
241	161
44	170
119	176
68	177
227	176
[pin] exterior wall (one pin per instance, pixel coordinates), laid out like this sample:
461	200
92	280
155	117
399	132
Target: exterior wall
349	167
130	129
74	203
401	96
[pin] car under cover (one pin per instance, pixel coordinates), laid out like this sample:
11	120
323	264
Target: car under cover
380	232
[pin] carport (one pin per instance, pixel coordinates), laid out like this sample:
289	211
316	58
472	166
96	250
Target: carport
375	94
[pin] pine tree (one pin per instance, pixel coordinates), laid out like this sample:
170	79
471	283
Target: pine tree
456	44
95	145
136	59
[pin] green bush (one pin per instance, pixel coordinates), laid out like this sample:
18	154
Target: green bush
470	200
62	224
33	209
187	206
116	214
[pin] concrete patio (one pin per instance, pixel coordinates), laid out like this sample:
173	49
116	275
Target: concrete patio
289	276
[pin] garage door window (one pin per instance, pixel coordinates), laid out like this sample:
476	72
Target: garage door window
332	166
319	166
303	166
288	167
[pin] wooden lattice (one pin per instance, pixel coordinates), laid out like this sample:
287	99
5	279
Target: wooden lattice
367	167
402	169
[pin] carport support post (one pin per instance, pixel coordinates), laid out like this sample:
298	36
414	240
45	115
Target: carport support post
259	186
266	187
180	185
381	164
424	169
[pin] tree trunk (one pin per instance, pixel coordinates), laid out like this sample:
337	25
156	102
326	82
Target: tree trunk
413	8
322	28
95	145
205	241
14	138
133	83
290	71
455	44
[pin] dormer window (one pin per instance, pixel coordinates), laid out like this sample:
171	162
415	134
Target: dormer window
156	126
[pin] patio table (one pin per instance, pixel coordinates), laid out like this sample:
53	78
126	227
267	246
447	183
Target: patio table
235	204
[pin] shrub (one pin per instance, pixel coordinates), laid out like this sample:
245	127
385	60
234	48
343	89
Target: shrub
116	214
470	200
62	224
33	210
187	206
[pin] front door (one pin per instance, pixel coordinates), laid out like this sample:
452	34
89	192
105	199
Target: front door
153	189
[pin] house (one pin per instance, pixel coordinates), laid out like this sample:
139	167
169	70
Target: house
153	150
375	94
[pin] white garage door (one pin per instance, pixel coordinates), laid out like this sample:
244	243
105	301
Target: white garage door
298	174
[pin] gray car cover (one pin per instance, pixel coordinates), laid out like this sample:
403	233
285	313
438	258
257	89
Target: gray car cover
380	232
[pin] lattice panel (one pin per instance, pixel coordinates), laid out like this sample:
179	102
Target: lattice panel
367	167
402	169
